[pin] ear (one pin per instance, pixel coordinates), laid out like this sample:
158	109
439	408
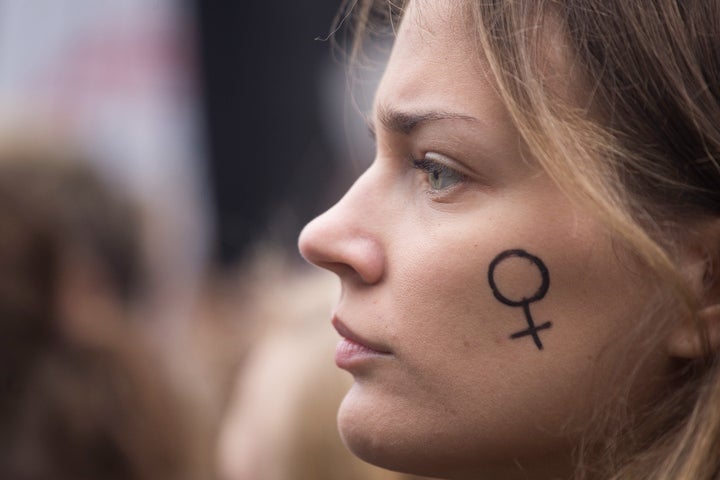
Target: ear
698	335
686	340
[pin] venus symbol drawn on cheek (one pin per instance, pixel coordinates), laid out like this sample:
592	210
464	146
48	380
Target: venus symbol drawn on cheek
518	261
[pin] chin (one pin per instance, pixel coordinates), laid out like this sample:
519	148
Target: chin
378	432
388	432
371	432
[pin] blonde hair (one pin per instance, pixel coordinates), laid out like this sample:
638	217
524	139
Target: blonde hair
642	152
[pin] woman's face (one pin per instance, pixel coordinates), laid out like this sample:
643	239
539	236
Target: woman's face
447	248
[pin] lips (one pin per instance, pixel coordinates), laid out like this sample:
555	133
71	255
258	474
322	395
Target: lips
349	335
353	351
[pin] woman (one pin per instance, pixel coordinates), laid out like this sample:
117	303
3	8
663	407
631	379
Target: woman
529	267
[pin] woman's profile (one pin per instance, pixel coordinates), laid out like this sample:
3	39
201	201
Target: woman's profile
529	267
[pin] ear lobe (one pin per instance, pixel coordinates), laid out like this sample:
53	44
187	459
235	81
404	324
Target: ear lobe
688	341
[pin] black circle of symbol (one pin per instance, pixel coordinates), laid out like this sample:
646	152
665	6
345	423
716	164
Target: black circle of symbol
517	253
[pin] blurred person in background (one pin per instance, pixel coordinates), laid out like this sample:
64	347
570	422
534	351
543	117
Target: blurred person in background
83	393
119	80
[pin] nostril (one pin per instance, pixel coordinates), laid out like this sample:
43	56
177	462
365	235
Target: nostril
342	270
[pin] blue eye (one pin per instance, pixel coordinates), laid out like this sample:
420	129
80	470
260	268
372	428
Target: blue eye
439	175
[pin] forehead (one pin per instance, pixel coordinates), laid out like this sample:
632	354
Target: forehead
435	17
435	63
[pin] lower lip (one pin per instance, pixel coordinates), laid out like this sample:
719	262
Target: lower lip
349	354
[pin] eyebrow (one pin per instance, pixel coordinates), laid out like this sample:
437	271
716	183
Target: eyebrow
403	122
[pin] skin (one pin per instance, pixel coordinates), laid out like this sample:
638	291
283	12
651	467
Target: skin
455	396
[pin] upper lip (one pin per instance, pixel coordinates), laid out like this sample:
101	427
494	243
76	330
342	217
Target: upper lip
344	331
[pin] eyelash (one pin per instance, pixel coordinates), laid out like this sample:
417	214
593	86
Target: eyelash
430	166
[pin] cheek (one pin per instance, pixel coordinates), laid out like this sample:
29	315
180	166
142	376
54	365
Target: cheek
461	387
454	335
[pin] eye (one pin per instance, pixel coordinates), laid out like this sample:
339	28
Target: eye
439	175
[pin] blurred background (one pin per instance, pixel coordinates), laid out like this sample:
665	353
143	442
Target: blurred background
229	117
223	127
276	108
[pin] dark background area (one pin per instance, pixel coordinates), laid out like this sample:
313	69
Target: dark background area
269	159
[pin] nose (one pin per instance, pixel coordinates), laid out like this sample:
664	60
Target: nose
346	239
